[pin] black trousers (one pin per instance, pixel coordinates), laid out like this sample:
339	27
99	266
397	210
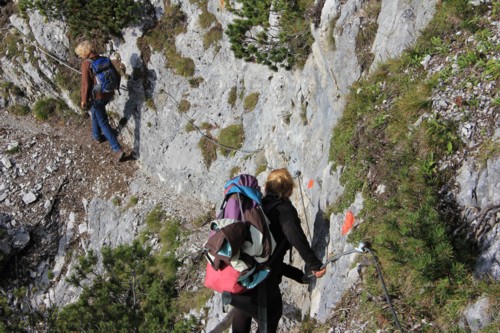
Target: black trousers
247	308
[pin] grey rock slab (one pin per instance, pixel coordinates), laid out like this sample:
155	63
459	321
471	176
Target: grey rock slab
29	197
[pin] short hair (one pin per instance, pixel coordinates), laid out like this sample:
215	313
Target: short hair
84	48
279	182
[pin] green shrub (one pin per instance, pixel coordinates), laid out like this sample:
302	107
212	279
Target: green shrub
251	101
46	107
290	46
427	265
133	293
108	17
11	46
19	110
9	88
232	136
67	80
162	38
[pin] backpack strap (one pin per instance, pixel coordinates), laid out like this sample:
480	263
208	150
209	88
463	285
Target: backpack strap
241	207
262	307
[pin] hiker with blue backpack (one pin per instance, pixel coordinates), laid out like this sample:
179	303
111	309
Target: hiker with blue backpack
256	294
99	80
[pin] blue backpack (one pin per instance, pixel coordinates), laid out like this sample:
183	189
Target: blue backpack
108	78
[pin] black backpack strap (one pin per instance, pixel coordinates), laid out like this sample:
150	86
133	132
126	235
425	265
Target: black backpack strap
262	307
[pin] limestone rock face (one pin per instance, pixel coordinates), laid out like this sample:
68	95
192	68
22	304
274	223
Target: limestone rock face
290	126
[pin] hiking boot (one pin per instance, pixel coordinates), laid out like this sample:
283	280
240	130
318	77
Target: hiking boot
100	140
120	155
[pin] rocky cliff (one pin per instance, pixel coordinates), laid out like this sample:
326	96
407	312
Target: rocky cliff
164	117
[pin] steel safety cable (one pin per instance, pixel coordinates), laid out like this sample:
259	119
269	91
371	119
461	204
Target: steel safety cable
299	176
364	248
43	50
208	137
387	297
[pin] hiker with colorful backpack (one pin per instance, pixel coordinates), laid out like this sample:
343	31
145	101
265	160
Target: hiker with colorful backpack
99	80
264	304
240	242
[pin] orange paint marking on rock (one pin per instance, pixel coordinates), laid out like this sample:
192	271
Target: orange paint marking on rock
348	222
310	184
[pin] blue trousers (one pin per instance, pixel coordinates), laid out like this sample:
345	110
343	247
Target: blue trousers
100	124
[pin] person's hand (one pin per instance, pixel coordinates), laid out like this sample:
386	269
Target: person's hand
84	105
319	273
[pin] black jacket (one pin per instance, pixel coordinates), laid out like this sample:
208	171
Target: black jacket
285	227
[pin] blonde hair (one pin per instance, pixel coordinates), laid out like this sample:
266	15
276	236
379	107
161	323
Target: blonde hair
280	183
84	49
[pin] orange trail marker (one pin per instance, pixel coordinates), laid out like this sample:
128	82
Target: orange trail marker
348	222
310	184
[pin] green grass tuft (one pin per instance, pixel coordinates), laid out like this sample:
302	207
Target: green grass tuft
232	136
250	101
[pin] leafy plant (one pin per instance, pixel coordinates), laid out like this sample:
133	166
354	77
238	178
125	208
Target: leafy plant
284	44
131	293
442	135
